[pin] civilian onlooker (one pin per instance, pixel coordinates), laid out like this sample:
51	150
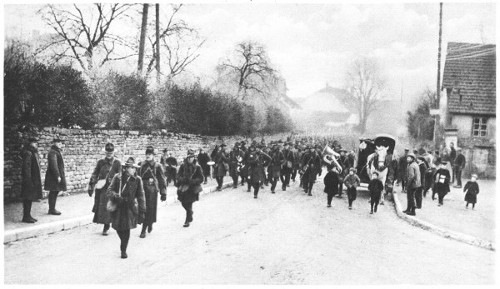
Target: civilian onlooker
331	182
352	182
55	178
32	180
375	187
471	191
441	182
458	166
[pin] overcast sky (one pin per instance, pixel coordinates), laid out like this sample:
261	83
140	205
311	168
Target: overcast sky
311	45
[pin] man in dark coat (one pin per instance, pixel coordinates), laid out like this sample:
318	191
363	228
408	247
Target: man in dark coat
286	169
203	159
104	171
153	181
312	165
441	182
452	155
458	166
189	185
55	179
32	180
297	151
402	164
422	166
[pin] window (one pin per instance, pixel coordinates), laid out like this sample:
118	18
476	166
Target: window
479	126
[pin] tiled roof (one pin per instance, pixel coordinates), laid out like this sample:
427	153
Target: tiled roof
470	75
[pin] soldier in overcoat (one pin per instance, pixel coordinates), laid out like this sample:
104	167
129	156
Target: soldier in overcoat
126	194
235	158
221	165
31	189
256	174
203	159
55	178
312	165
277	162
153	181
189	185
104	171
287	167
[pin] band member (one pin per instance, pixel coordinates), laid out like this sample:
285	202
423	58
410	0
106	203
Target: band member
127	195
221	165
343	164
189	185
32	180
266	165
203	160
312	165
277	162
297	153
255	161
286	169
55	179
153	180
235	159
100	180
169	164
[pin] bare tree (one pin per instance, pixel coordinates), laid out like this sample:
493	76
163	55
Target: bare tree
181	42
366	87
82	31
142	40
250	68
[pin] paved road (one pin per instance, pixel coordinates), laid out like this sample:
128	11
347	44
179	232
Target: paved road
286	238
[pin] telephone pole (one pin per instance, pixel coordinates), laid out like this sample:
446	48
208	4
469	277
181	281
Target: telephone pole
438	90
142	40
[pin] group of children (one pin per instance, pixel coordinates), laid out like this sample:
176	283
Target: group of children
375	188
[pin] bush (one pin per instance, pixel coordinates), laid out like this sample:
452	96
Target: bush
44	95
277	121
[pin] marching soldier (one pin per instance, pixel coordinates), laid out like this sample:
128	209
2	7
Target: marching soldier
221	166
287	168
169	166
235	158
277	162
32	180
153	180
100	180
203	159
256	159
312	166
189	185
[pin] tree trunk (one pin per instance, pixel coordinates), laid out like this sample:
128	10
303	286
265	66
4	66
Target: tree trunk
157	43
142	40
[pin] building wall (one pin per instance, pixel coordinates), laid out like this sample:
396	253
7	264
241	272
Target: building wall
83	148
479	152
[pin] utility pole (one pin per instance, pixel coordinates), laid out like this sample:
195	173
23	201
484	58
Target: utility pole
438	90
142	41
157	43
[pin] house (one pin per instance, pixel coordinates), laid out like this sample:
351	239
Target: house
469	104
325	111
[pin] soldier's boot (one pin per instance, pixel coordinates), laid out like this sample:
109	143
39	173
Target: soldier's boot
27	212
150	228
52	203
143	231
105	229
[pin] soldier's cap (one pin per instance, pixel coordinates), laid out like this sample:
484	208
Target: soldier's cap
243	143
473	176
436	152
190	153
223	145
343	150
166	150
352	170
444	163
280	141
415	152
57	139
109	147
236	144
407	150
150	150
375	173
412	155
33	139
130	163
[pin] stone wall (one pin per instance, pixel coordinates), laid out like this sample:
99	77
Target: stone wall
83	148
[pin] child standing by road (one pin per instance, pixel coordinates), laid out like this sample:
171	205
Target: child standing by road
375	187
471	190
352	182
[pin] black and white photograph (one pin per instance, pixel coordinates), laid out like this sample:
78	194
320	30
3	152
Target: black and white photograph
246	142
